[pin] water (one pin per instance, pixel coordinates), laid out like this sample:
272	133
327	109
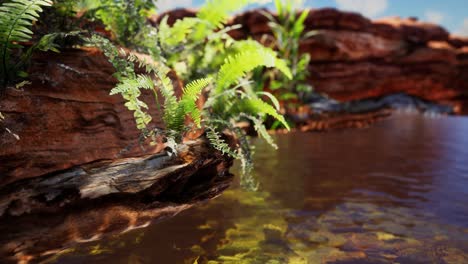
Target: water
393	193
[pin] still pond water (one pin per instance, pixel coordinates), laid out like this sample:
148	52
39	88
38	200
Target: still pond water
393	193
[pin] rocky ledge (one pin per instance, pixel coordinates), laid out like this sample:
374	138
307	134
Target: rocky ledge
74	167
45	215
355	58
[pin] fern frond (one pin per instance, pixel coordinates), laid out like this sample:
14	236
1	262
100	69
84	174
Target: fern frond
128	84
254	46
272	98
123	67
190	97
172	118
246	153
261	129
258	106
130	90
175	35
16	20
237	66
216	12
218	143
194	88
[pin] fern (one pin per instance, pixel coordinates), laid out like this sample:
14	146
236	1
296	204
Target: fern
172	117
190	97
258	106
261	129
175	110
246	152
288	29
216	12
123	67
125	19
129	88
175	35
237	66
16	20
218	143
129	82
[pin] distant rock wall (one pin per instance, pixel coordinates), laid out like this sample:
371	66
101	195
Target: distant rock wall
355	58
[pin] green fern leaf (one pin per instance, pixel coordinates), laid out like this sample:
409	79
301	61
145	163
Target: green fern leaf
262	131
194	88
128	84
258	106
16	19
172	118
216	12
237	66
175	35
218	143
190	97
254	46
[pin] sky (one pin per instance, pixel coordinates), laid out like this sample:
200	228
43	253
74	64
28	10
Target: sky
451	14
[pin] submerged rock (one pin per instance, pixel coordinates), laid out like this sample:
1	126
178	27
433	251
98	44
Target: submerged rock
321	104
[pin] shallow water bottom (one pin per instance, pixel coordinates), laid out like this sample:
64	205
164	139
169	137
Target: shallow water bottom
394	193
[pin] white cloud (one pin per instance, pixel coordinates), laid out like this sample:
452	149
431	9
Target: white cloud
369	8
434	16
165	5
464	28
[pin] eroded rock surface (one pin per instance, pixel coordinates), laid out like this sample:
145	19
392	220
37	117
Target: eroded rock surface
66	117
355	58
80	169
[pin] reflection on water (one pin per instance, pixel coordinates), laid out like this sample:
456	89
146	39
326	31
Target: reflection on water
394	193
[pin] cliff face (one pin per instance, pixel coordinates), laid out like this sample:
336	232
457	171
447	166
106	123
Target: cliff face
80	169
355	58
66	117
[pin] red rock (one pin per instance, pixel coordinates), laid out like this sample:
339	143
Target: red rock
66	117
356	58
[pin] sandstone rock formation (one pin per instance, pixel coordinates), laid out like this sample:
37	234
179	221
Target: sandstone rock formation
80	169
66	117
354	58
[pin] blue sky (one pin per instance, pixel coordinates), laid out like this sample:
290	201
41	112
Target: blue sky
452	14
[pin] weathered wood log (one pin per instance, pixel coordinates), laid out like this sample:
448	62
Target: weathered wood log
42	216
81	169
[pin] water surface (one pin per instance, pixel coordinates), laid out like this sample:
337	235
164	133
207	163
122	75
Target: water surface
394	193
